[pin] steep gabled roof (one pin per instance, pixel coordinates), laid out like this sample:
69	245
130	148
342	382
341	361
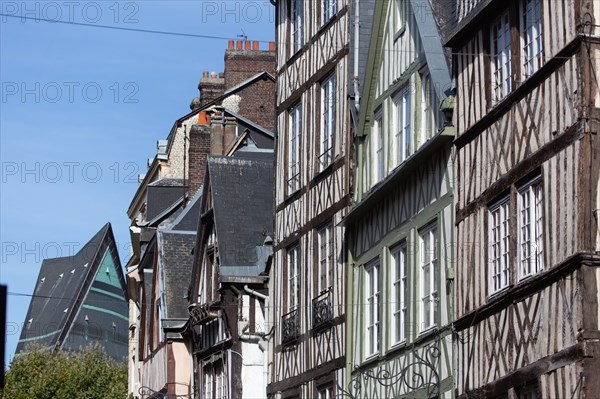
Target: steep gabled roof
176	265
242	197
75	292
428	33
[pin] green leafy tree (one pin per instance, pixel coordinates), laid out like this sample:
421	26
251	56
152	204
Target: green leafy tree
44	374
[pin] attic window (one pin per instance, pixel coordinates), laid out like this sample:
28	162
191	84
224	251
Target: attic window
43	279
60	276
86	265
73	271
65	311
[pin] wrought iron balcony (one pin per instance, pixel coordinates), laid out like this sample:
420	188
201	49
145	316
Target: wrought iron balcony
322	309
290	327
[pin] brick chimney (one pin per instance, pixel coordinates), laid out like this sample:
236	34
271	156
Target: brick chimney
211	86
247	60
244	61
200	137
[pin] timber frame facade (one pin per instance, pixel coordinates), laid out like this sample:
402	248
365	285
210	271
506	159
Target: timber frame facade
527	198
400	230
312	178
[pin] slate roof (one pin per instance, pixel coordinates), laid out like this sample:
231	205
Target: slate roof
176	244
188	219
62	288
176	259
242	194
161	198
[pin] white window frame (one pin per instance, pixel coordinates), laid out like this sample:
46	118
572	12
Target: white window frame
295	136
530	227
499	245
325	256
209	380
429	276
530	19
328	87
294	281
366	166
297	25
399	293
400	15
402	147
378	144
371	300
329	10
429	110
325	392
501	57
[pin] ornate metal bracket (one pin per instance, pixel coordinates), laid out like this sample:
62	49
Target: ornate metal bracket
421	374
149	393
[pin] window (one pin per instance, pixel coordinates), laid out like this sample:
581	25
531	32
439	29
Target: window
215	385
326	392
400	15
372	310
325	254
429	276
329	10
499	237
530	228
297	25
295	114
500	51
366	166
531	36
293	260
378	148
327	121
402	126
430	114
529	391
399	294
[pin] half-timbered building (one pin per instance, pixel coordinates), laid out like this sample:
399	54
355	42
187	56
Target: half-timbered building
527	198
312	194
400	228
233	249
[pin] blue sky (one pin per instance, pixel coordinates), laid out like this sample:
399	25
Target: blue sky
81	108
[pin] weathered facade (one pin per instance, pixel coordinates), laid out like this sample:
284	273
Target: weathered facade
229	301
528	161
222	122
312	194
400	229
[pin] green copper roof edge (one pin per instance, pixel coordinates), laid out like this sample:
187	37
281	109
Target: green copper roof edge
104	292
40	336
90	307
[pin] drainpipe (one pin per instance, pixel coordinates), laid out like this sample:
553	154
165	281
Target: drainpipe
265	353
356	47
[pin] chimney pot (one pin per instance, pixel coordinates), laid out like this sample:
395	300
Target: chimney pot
230	45
272	46
213	75
248	44
239	44
255	46
205	74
